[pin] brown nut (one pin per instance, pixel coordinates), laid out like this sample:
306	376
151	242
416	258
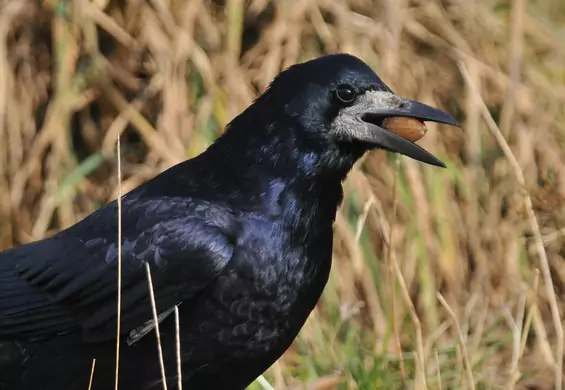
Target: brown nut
408	128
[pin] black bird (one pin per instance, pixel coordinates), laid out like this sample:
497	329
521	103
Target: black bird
240	236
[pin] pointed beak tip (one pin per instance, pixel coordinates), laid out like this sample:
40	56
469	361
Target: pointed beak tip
432	160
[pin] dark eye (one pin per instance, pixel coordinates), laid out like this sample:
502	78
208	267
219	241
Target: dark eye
345	94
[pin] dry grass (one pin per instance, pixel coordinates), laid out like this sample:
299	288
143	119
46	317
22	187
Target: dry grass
168	76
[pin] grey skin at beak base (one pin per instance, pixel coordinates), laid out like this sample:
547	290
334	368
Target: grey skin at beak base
395	143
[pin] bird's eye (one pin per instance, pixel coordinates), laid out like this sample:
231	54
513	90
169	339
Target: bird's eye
345	94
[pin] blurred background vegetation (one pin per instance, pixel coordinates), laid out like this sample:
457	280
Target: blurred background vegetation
470	294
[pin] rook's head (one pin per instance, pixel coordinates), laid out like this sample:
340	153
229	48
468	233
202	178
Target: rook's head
340	100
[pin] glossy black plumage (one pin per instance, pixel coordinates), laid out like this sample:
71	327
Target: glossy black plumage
240	236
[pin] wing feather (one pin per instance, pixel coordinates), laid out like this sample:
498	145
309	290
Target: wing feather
69	282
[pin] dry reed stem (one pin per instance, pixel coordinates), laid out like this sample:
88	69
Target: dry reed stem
534	225
514	64
109	25
460	366
415	321
530	315
541	334
156	322
517	328
479	333
145	129
119	298
178	350
121	121
360	270
438	370
91	374
385	229
465	356
391	266
264	383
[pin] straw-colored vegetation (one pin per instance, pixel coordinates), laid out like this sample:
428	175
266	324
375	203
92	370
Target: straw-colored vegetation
470	295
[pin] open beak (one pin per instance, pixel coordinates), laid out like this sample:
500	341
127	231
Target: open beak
393	142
